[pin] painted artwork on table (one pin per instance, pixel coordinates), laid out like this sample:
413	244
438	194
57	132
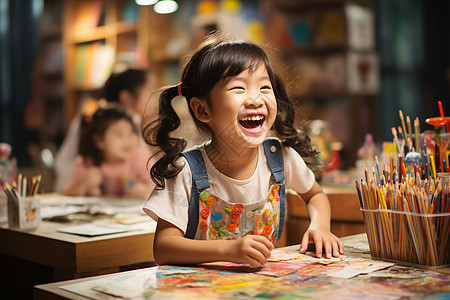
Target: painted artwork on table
289	274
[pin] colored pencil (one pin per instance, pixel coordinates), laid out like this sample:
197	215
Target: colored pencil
411	144
396	141
403	121
416	135
433	167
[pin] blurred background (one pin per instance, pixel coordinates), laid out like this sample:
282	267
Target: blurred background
351	65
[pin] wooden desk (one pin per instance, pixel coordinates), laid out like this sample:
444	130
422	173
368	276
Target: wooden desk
71	256
310	282
346	218
77	255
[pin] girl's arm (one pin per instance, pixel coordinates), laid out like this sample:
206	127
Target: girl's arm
319	211
143	186
140	190
85	181
170	247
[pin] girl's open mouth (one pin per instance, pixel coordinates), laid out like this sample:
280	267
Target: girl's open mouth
252	123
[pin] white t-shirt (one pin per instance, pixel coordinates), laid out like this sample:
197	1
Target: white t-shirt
172	203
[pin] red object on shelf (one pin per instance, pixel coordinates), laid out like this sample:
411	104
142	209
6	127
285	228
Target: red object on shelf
438	121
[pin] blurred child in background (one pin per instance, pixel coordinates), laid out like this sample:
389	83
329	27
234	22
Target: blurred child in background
110	161
131	89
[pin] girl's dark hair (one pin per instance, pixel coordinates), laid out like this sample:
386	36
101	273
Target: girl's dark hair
94	127
130	80
215	60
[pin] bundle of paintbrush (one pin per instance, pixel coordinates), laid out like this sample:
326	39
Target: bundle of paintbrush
407	220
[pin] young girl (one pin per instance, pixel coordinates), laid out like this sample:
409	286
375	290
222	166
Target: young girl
224	200
110	161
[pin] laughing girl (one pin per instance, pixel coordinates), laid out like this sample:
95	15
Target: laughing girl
224	200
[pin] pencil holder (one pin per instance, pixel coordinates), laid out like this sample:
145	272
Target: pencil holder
24	212
407	237
438	146
3	209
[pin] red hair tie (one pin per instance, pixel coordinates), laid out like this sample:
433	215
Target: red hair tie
179	90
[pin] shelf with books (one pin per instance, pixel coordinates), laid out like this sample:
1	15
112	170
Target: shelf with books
96	32
102	32
92	35
93	63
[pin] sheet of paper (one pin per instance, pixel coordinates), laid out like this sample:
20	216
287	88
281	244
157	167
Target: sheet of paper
328	261
56	211
277	269
281	255
362	267
95	229
132	284
273	269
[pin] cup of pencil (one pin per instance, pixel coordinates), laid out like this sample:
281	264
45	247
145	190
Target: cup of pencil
3	209
437	150
24	213
407	221
24	205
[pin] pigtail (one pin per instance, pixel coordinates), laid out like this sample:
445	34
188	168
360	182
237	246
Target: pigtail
87	148
158	134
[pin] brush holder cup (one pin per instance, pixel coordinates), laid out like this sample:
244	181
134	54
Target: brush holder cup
24	213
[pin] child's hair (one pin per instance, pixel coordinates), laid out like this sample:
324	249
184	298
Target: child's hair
130	80
216	59
94	128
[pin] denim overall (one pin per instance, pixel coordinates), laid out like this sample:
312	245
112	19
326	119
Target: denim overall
211	217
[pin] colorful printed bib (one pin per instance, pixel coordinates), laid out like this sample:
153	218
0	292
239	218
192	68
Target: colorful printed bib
220	219
213	218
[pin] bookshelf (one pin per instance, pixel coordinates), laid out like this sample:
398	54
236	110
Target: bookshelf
329	50
96	33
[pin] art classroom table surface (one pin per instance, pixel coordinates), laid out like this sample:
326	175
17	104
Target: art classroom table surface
74	256
297	276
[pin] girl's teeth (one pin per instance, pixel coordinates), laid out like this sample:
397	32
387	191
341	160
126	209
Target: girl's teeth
254	118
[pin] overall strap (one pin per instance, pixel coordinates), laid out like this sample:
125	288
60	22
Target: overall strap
272	149
200	182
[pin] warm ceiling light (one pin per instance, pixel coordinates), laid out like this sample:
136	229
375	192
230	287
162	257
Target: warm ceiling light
165	7
146	2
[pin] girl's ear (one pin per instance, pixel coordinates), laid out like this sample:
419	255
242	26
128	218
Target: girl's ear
98	142
200	109
126	99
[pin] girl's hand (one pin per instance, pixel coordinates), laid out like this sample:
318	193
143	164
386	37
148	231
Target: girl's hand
251	249
322	238
139	190
93	181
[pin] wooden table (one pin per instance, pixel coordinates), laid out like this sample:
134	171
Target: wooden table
69	256
311	282
77	255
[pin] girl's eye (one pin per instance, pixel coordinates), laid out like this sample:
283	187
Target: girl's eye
266	87
237	88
